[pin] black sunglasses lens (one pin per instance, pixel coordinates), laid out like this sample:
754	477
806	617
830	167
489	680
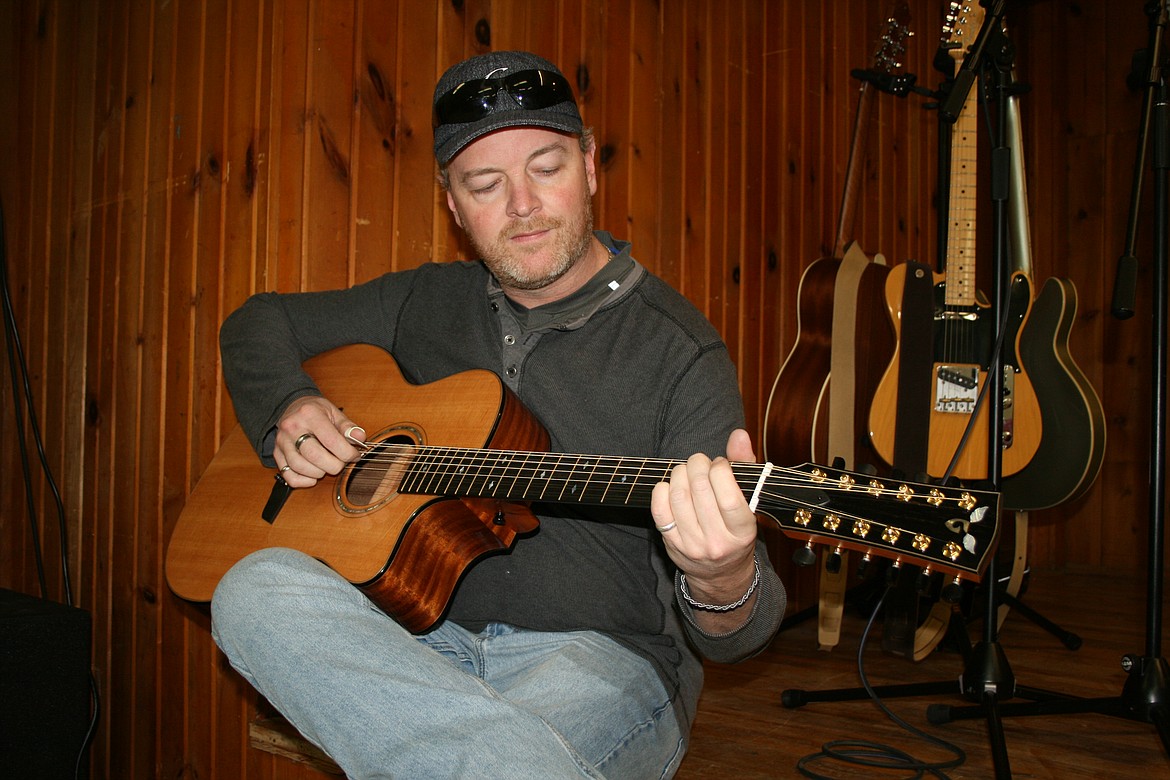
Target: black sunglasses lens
466	103
535	89
473	100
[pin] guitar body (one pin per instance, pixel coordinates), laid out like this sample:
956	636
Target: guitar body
800	422
801	386
407	553
1072	446
960	345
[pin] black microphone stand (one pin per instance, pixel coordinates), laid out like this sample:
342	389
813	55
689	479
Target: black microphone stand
1145	695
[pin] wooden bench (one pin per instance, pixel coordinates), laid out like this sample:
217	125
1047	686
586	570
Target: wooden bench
273	734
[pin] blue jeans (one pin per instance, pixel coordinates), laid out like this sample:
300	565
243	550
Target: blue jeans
383	702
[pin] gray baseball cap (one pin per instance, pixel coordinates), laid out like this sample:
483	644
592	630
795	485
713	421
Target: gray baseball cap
496	90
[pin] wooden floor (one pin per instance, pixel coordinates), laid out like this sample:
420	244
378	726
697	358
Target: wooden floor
743	731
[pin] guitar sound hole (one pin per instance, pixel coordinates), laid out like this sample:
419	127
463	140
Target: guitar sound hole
375	476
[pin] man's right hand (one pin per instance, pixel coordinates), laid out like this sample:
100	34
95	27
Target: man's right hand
314	438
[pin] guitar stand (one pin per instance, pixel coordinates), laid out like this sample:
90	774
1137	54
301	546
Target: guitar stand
1145	696
1067	638
987	679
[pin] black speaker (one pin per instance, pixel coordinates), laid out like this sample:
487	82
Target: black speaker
44	688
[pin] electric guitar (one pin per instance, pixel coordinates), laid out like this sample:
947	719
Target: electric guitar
449	475
960	341
1072	443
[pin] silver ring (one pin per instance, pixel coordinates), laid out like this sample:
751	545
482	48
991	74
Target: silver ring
664	528
301	440
285	468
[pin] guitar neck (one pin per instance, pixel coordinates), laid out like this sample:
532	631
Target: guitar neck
962	202
891	46
950	529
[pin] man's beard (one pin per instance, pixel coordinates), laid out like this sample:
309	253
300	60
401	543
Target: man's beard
574	238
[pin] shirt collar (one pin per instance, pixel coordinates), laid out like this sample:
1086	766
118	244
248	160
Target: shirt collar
609	284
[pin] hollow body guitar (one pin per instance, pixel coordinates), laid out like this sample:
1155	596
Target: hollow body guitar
1072	443
453	467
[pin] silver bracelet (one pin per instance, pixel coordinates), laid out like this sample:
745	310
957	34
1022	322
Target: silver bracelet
682	584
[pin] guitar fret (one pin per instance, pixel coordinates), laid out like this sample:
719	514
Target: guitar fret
489	479
434	482
459	468
616	475
411	475
570	485
550	467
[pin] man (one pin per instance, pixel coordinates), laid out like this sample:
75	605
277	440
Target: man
576	654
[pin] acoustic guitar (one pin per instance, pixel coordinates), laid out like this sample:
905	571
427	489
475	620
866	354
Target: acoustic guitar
957	340
809	417
452	467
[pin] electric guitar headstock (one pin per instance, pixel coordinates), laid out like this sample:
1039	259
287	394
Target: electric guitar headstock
960	28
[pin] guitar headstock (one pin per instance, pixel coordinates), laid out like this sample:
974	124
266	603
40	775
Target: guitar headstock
891	44
944	529
960	27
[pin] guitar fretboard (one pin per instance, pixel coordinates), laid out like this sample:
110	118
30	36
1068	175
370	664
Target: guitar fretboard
527	476
960	288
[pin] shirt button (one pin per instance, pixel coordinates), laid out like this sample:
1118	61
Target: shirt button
509	340
495	306
512	371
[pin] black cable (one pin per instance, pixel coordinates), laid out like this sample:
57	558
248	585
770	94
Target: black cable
18	368
876	755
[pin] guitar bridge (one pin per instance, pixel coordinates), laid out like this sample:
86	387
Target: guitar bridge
956	390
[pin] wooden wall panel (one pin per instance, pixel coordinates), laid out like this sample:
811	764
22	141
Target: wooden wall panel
161	161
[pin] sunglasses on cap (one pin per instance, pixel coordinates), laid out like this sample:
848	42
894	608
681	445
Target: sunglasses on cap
473	100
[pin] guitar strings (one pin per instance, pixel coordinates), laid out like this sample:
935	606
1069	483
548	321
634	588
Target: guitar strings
421	463
429	470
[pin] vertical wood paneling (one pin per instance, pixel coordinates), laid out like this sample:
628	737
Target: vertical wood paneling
376	72
754	378
692	278
420	213
161	161
645	122
329	91
153	99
